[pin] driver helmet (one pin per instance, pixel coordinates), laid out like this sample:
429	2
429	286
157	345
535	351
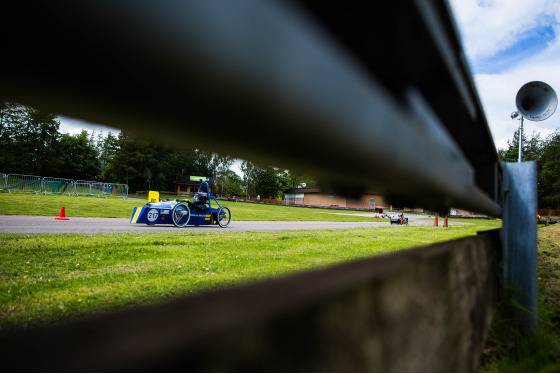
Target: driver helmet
200	198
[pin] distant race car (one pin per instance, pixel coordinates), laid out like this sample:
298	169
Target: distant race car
399	220
183	212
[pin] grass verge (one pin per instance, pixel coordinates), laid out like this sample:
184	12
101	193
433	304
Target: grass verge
509	349
49	278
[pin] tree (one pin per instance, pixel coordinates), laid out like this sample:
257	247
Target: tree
79	157
210	164
30	143
547	154
249	170
260	180
126	165
267	182
530	149
549	175
135	161
232	184
42	128
289	180
28	140
12	116
106	147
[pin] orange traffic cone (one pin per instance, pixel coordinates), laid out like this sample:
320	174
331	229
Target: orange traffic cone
62	215
445	222
436	221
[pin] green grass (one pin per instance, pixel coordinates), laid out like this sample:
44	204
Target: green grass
510	349
48	278
82	206
77	206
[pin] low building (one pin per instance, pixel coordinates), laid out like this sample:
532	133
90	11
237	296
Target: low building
454	212
315	196
187	184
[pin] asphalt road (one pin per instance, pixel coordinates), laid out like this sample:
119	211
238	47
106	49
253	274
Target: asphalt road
49	225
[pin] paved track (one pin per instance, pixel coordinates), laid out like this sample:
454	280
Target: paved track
49	225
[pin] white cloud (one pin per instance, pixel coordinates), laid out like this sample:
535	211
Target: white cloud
75	126
498	92
491	27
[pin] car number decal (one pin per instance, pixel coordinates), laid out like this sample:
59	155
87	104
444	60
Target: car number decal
152	215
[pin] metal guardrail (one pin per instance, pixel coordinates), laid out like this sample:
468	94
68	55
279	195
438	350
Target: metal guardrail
48	185
82	188
24	183
97	189
3	178
115	189
57	186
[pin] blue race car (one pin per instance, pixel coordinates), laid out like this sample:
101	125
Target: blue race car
183	212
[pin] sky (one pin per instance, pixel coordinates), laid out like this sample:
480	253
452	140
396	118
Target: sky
75	126
507	44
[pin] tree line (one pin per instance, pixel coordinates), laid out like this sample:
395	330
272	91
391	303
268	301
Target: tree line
31	143
547	154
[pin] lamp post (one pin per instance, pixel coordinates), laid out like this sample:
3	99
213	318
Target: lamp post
513	116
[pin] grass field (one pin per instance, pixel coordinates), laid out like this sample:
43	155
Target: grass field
48	278
45	278
82	206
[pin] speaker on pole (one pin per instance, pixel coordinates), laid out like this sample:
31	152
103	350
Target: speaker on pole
535	101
